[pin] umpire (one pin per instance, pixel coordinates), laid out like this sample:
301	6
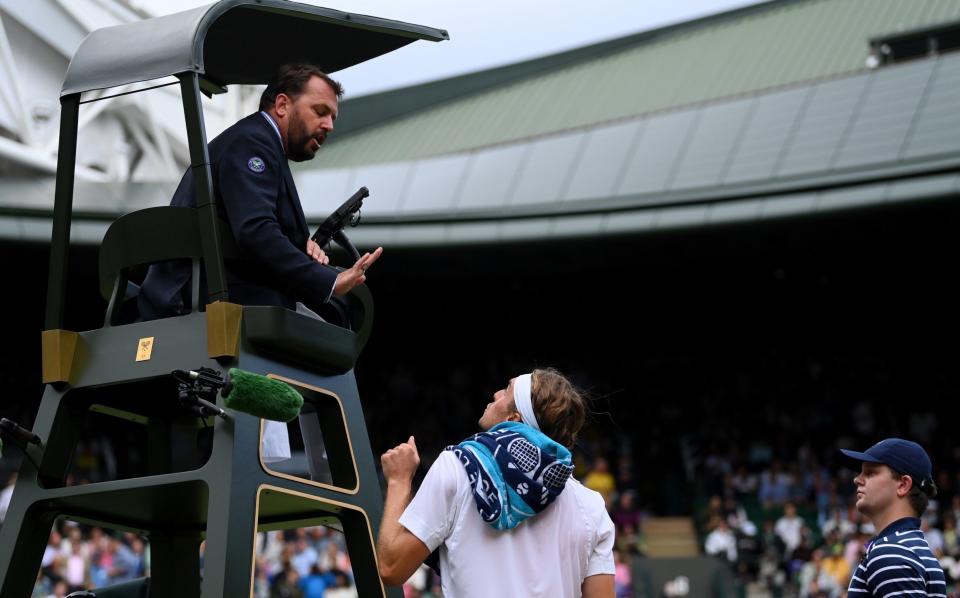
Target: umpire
255	194
893	488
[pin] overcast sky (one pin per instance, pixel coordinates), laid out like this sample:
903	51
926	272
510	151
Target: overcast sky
490	33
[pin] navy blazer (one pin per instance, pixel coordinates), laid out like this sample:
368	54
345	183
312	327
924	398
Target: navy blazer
256	196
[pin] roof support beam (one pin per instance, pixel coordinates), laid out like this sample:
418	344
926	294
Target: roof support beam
16	103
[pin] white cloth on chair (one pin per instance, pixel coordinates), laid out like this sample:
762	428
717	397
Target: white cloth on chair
276	442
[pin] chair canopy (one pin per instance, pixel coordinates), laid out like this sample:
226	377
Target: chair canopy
235	41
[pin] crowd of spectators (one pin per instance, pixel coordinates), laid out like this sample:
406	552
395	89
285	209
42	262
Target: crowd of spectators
79	558
651	447
303	563
297	563
300	563
792	528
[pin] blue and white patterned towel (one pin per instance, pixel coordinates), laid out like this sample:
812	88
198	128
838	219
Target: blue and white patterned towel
515	472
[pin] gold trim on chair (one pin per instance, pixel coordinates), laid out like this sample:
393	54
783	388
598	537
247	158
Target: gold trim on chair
59	351
223	329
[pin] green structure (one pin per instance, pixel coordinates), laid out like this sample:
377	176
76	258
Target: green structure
205	479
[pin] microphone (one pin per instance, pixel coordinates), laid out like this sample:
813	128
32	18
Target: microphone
347	214
261	396
198	390
242	391
18	433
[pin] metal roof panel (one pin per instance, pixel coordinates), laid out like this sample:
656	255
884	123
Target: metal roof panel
546	169
937	128
772	45
490	177
434	184
823	125
714	142
772	122
880	127
387	184
601	165
662	141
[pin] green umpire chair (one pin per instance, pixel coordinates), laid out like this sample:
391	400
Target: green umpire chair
187	495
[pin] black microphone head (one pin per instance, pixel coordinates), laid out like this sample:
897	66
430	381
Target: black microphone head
261	396
18	433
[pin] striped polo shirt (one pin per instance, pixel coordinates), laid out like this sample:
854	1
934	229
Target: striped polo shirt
899	563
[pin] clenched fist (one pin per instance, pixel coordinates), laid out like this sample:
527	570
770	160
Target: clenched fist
401	462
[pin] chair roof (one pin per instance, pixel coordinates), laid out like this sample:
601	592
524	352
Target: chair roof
235	41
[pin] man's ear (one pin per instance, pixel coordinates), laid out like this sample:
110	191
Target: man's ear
514	417
281	105
904	486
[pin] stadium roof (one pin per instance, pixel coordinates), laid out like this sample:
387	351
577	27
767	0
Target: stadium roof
761	47
763	113
861	140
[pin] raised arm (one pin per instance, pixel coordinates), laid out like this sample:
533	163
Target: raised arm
398	551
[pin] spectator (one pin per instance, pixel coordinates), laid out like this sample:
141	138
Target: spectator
60	590
622	578
774	486
839	523
629	540
951	541
856	548
125	565
334	558
789	528
934	537
626	512
773	547
721	541
749	551
803	552
955	506
49	563
304	557
601	480
316	582
743	483
837	567
341	587
75	567
814	581
287	584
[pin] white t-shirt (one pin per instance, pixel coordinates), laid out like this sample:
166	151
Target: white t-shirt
790	530
548	555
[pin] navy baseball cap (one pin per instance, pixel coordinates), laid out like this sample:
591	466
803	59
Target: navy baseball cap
903	456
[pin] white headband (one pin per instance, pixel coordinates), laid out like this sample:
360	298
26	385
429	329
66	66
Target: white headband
521	398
